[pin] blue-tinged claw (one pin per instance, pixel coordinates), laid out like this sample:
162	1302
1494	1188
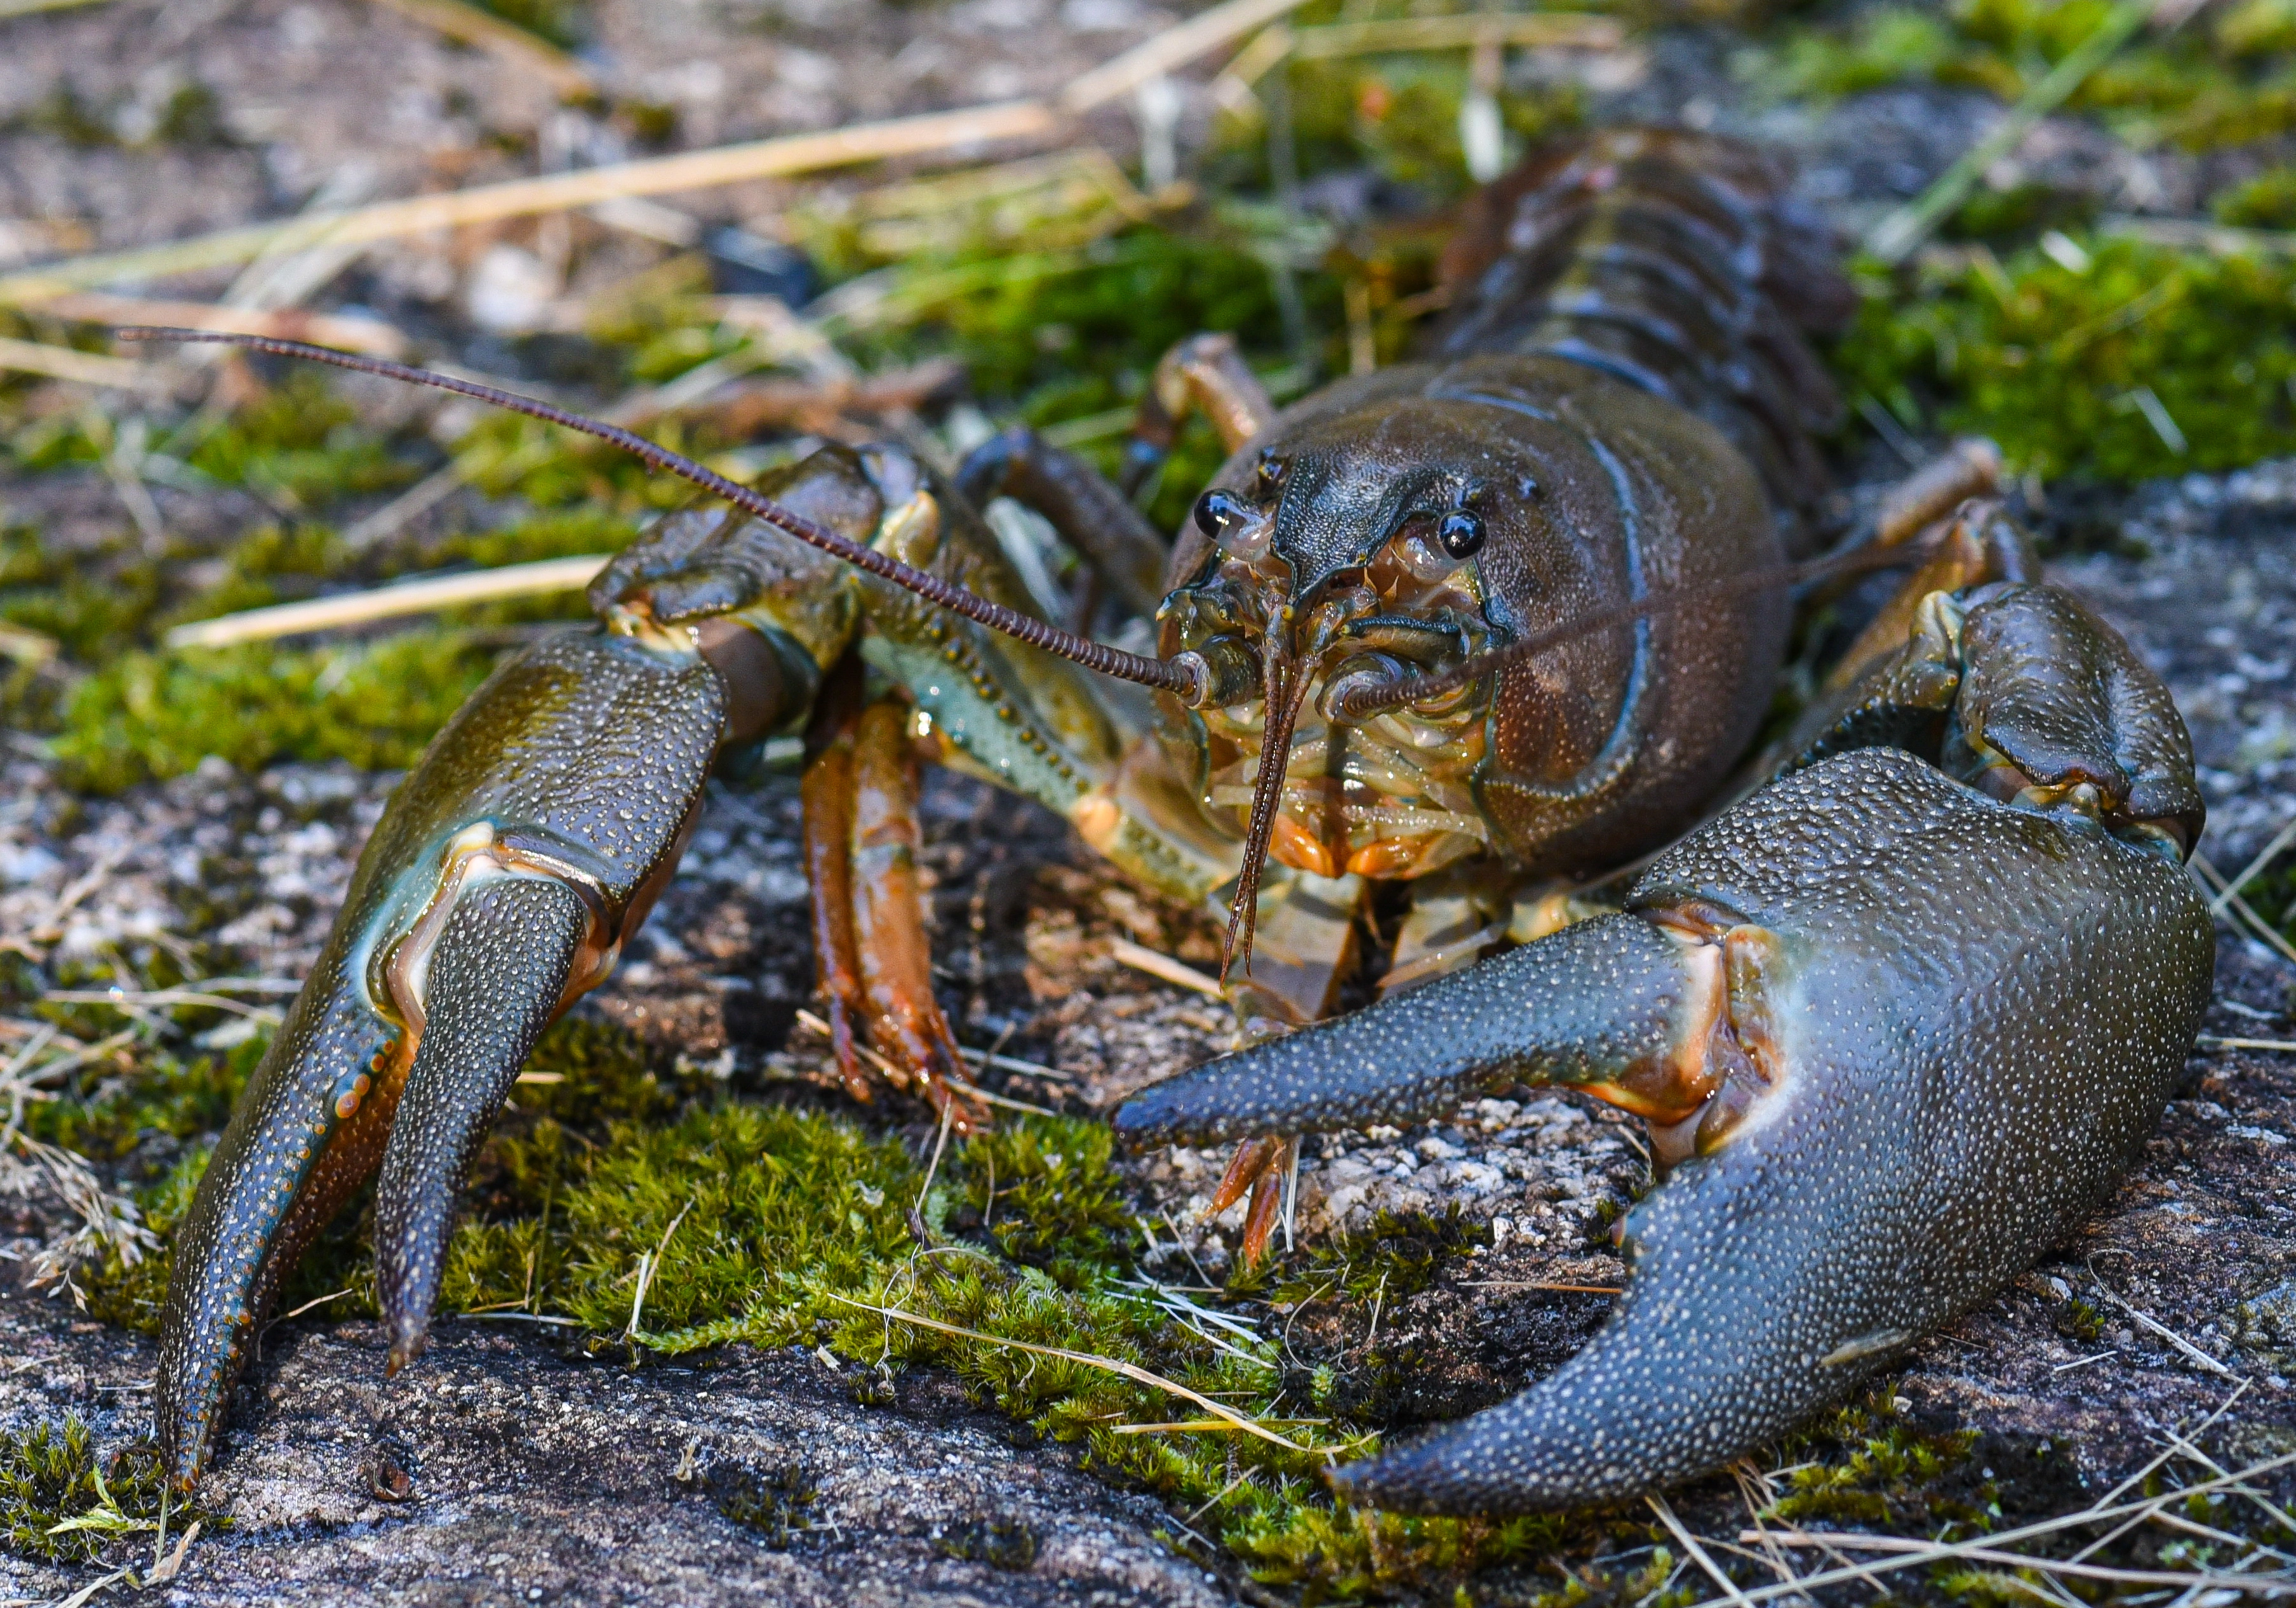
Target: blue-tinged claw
499	886
1895	1038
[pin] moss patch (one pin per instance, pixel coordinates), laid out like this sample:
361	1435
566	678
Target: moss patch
152	716
2143	362
60	1504
2223	82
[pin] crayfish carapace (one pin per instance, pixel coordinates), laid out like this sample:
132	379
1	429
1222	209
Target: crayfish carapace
1897	1012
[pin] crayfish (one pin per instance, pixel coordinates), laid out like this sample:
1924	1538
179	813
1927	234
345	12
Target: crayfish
1498	623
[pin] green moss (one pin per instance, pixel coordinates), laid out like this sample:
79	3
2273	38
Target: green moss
2256	28
2080	1320
2190	87
302	443
777	1503
1885	46
1867	1466
2267	202
131	1293
774	1226
1046	1192
92	601
561	533
105	1115
68	117
565	23
59	1504
148	717
2074	372
1397	1256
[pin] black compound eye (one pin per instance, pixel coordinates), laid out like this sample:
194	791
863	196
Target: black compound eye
1461	533
1272	469
1218	512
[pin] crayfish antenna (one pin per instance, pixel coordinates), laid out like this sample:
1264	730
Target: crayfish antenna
1287	691
1163	675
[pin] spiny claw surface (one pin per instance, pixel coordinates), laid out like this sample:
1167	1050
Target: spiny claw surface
499	886
1898	1038
496	976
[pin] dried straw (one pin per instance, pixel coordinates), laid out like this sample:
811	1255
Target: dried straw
468	25
82	368
777	158
1141	958
540	578
1129	1370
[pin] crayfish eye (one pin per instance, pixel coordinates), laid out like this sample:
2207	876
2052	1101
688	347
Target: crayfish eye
1461	533
1220	512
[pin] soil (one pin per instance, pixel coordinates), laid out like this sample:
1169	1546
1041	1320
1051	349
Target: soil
502	1470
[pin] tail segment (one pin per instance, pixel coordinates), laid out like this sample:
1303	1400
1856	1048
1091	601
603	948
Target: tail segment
1674	261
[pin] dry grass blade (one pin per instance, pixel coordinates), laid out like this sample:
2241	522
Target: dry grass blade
2219	239
706	169
30	1166
2264	930
2257	862
1547	28
648	1266
1006	1101
1132	1371
82	368
28	647
1175	48
542	577
2213	1041
1202	1426
812	1023
1540	1284
553	193
1947	1551
1851	1541
468	25
2192	1353
348	331
1141	958
1698	1553
160	998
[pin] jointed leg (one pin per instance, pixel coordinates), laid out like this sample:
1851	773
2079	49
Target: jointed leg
861	842
1204	374
1124	551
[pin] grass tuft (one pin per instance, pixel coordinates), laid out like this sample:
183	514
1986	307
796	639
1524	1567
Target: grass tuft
2149	362
60	1504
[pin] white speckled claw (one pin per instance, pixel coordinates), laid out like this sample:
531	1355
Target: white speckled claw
493	983
500	884
1943	1026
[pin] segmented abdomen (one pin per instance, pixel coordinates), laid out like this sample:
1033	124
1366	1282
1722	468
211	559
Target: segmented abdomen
1674	261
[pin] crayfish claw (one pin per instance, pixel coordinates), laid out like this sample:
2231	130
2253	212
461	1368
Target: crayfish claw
1903	1036
500	884
497	976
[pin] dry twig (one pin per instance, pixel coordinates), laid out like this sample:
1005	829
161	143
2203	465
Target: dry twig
780	157
538	579
1129	1370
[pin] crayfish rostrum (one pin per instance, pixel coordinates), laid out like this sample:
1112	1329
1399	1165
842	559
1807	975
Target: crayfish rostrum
1897	1009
